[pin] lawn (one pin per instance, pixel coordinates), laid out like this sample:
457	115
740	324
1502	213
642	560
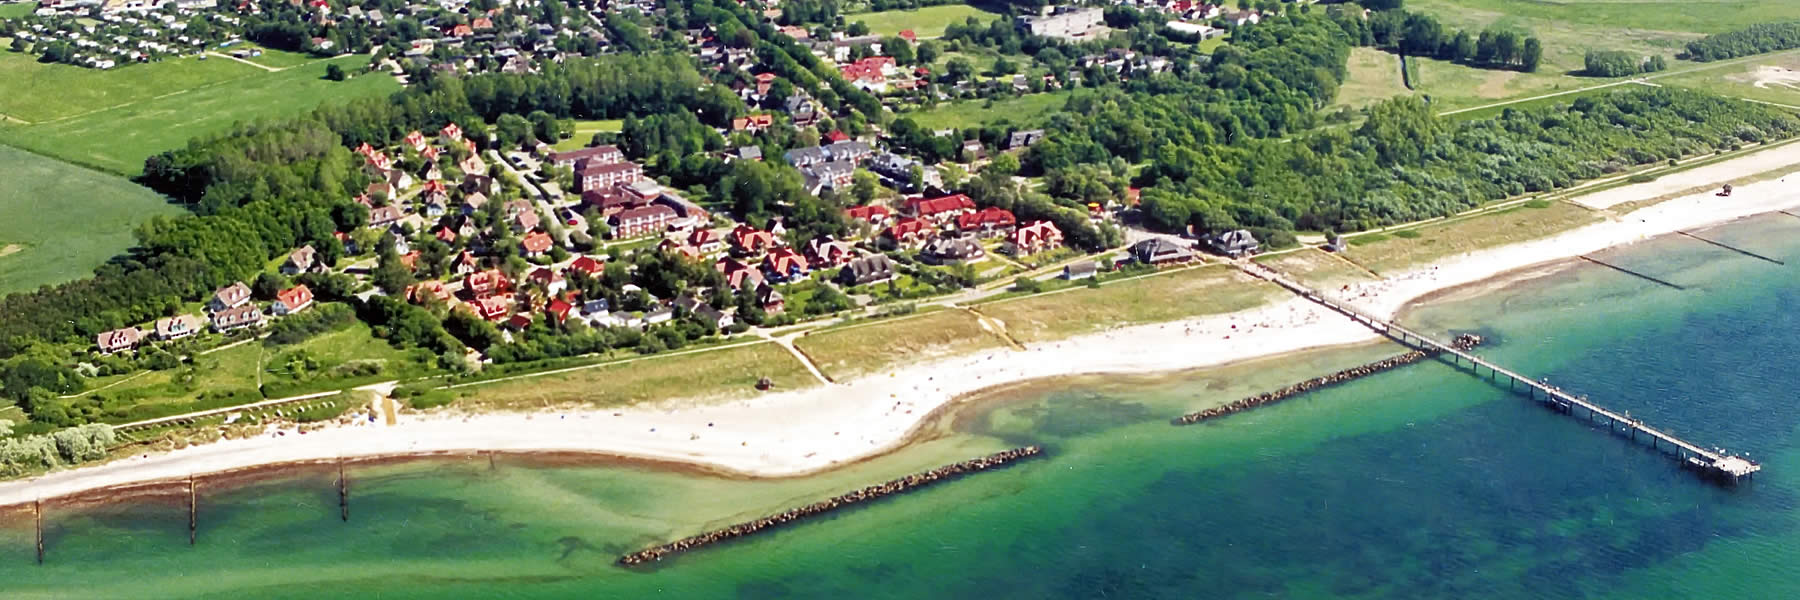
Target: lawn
1029	109
1389	252
118	139
704	375
928	22
17	9
1161	297
279	59
861	349
1374	76
584	133
59	221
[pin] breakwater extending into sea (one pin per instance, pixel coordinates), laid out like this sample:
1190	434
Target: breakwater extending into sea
873	492
1462	342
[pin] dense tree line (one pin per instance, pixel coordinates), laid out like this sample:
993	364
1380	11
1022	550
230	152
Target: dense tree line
1755	39
1404	164
1420	34
1617	63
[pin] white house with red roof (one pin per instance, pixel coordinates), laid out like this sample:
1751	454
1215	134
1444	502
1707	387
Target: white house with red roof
118	340
549	279
588	265
536	243
292	300
1034	237
873	214
737	274
784	264
908	232
416	141
450	134
706	241
750	240
641	221
823	252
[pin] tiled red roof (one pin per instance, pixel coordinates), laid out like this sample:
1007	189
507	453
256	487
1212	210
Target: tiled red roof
587	265
536	242
987	217
870	213
925	208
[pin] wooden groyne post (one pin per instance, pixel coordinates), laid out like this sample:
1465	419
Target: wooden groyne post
873	492
343	492
193	512
37	510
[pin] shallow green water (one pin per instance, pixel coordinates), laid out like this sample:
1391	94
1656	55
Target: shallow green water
1419	483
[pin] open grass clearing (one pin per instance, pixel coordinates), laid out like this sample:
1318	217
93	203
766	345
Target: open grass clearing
1316	267
119	139
1374	76
1029	109
1162	297
1394	251
1773	78
584	133
279	59
848	352
927	22
709	375
58	221
16	10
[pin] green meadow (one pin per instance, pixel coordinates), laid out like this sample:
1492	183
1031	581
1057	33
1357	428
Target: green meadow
113	120
58	221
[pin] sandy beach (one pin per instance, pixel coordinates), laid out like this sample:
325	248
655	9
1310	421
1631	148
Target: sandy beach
795	433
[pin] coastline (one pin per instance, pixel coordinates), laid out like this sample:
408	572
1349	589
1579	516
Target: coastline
798	433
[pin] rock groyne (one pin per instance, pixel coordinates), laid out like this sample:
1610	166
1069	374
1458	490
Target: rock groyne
880	490
1462	342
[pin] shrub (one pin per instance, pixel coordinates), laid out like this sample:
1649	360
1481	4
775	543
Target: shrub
1410	234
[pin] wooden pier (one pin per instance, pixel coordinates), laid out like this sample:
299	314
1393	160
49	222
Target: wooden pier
1713	463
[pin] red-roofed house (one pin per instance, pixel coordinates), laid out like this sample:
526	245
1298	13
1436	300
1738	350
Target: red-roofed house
870	73
487	283
1035	237
547	278
383	216
444	233
784	264
837	135
909	36
450	133
118	340
519	321
587	265
559	310
536	243
365	149
492	308
763	81
908	231
753	123
738	274
940	210
686	251
434	289
873	214
823	252
481	24
705	240
292	300
750	240
416	140
987	222
459	30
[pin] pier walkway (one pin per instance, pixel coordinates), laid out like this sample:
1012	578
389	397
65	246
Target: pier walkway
1708	461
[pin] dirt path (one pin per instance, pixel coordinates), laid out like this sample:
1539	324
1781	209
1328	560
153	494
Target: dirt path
230	57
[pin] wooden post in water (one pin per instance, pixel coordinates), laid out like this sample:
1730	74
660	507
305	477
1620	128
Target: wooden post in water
193	511
37	510
343	492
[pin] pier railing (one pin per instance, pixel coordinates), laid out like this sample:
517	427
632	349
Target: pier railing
1709	461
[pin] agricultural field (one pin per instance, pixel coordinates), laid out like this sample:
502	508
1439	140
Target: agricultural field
861	349
58	221
116	127
711	374
928	22
1024	110
1374	76
1156	298
38	92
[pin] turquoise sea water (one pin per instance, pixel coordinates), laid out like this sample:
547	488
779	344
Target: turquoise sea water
1418	483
